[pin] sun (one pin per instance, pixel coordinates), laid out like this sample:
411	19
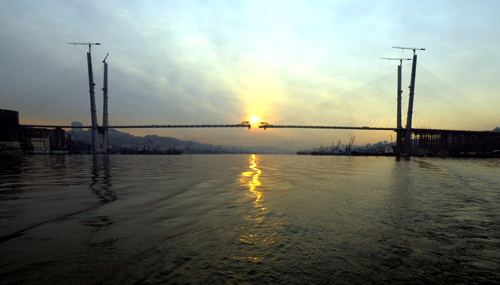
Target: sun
254	119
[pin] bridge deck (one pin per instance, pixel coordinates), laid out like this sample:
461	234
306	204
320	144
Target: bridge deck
414	130
139	126
323	127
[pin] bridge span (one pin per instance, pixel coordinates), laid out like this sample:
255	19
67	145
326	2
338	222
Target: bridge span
153	126
267	126
407	138
420	138
416	131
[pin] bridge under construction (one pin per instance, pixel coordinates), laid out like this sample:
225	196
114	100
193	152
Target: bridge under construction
408	138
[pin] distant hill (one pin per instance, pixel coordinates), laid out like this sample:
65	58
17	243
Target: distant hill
119	140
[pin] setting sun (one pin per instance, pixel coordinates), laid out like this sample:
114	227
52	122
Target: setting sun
254	119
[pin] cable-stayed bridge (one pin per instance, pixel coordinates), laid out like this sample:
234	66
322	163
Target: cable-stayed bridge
439	110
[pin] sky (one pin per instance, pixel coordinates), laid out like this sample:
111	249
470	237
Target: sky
178	62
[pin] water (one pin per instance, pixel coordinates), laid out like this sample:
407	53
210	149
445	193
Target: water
218	219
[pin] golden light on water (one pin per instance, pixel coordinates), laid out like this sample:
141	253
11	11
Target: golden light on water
255	178
258	232
254	175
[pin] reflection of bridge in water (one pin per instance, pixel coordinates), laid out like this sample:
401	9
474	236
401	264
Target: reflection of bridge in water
407	137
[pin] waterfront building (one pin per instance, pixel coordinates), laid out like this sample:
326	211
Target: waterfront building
41	140
9	126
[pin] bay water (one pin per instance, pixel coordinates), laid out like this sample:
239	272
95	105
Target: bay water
248	219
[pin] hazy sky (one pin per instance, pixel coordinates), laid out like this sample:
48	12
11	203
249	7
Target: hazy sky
227	60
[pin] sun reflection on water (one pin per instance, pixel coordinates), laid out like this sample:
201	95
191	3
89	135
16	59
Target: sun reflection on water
258	233
254	182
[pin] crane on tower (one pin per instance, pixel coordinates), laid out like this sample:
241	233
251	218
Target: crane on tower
414	49
393	58
104	60
410	101
84	44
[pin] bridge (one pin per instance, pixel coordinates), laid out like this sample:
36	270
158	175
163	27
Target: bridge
420	136
244	125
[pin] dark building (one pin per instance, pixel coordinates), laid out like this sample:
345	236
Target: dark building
57	137
9	125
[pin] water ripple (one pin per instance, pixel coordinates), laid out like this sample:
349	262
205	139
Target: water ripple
249	219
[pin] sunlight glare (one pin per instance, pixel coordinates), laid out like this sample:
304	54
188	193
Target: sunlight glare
254	119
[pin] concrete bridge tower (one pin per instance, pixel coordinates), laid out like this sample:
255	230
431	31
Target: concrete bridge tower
407	147
95	135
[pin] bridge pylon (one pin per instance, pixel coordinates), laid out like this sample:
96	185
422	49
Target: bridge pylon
399	131
105	121
408	145
95	134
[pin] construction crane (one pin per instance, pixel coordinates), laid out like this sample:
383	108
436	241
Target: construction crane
393	58
414	49
149	144
351	142
104	60
89	44
338	145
